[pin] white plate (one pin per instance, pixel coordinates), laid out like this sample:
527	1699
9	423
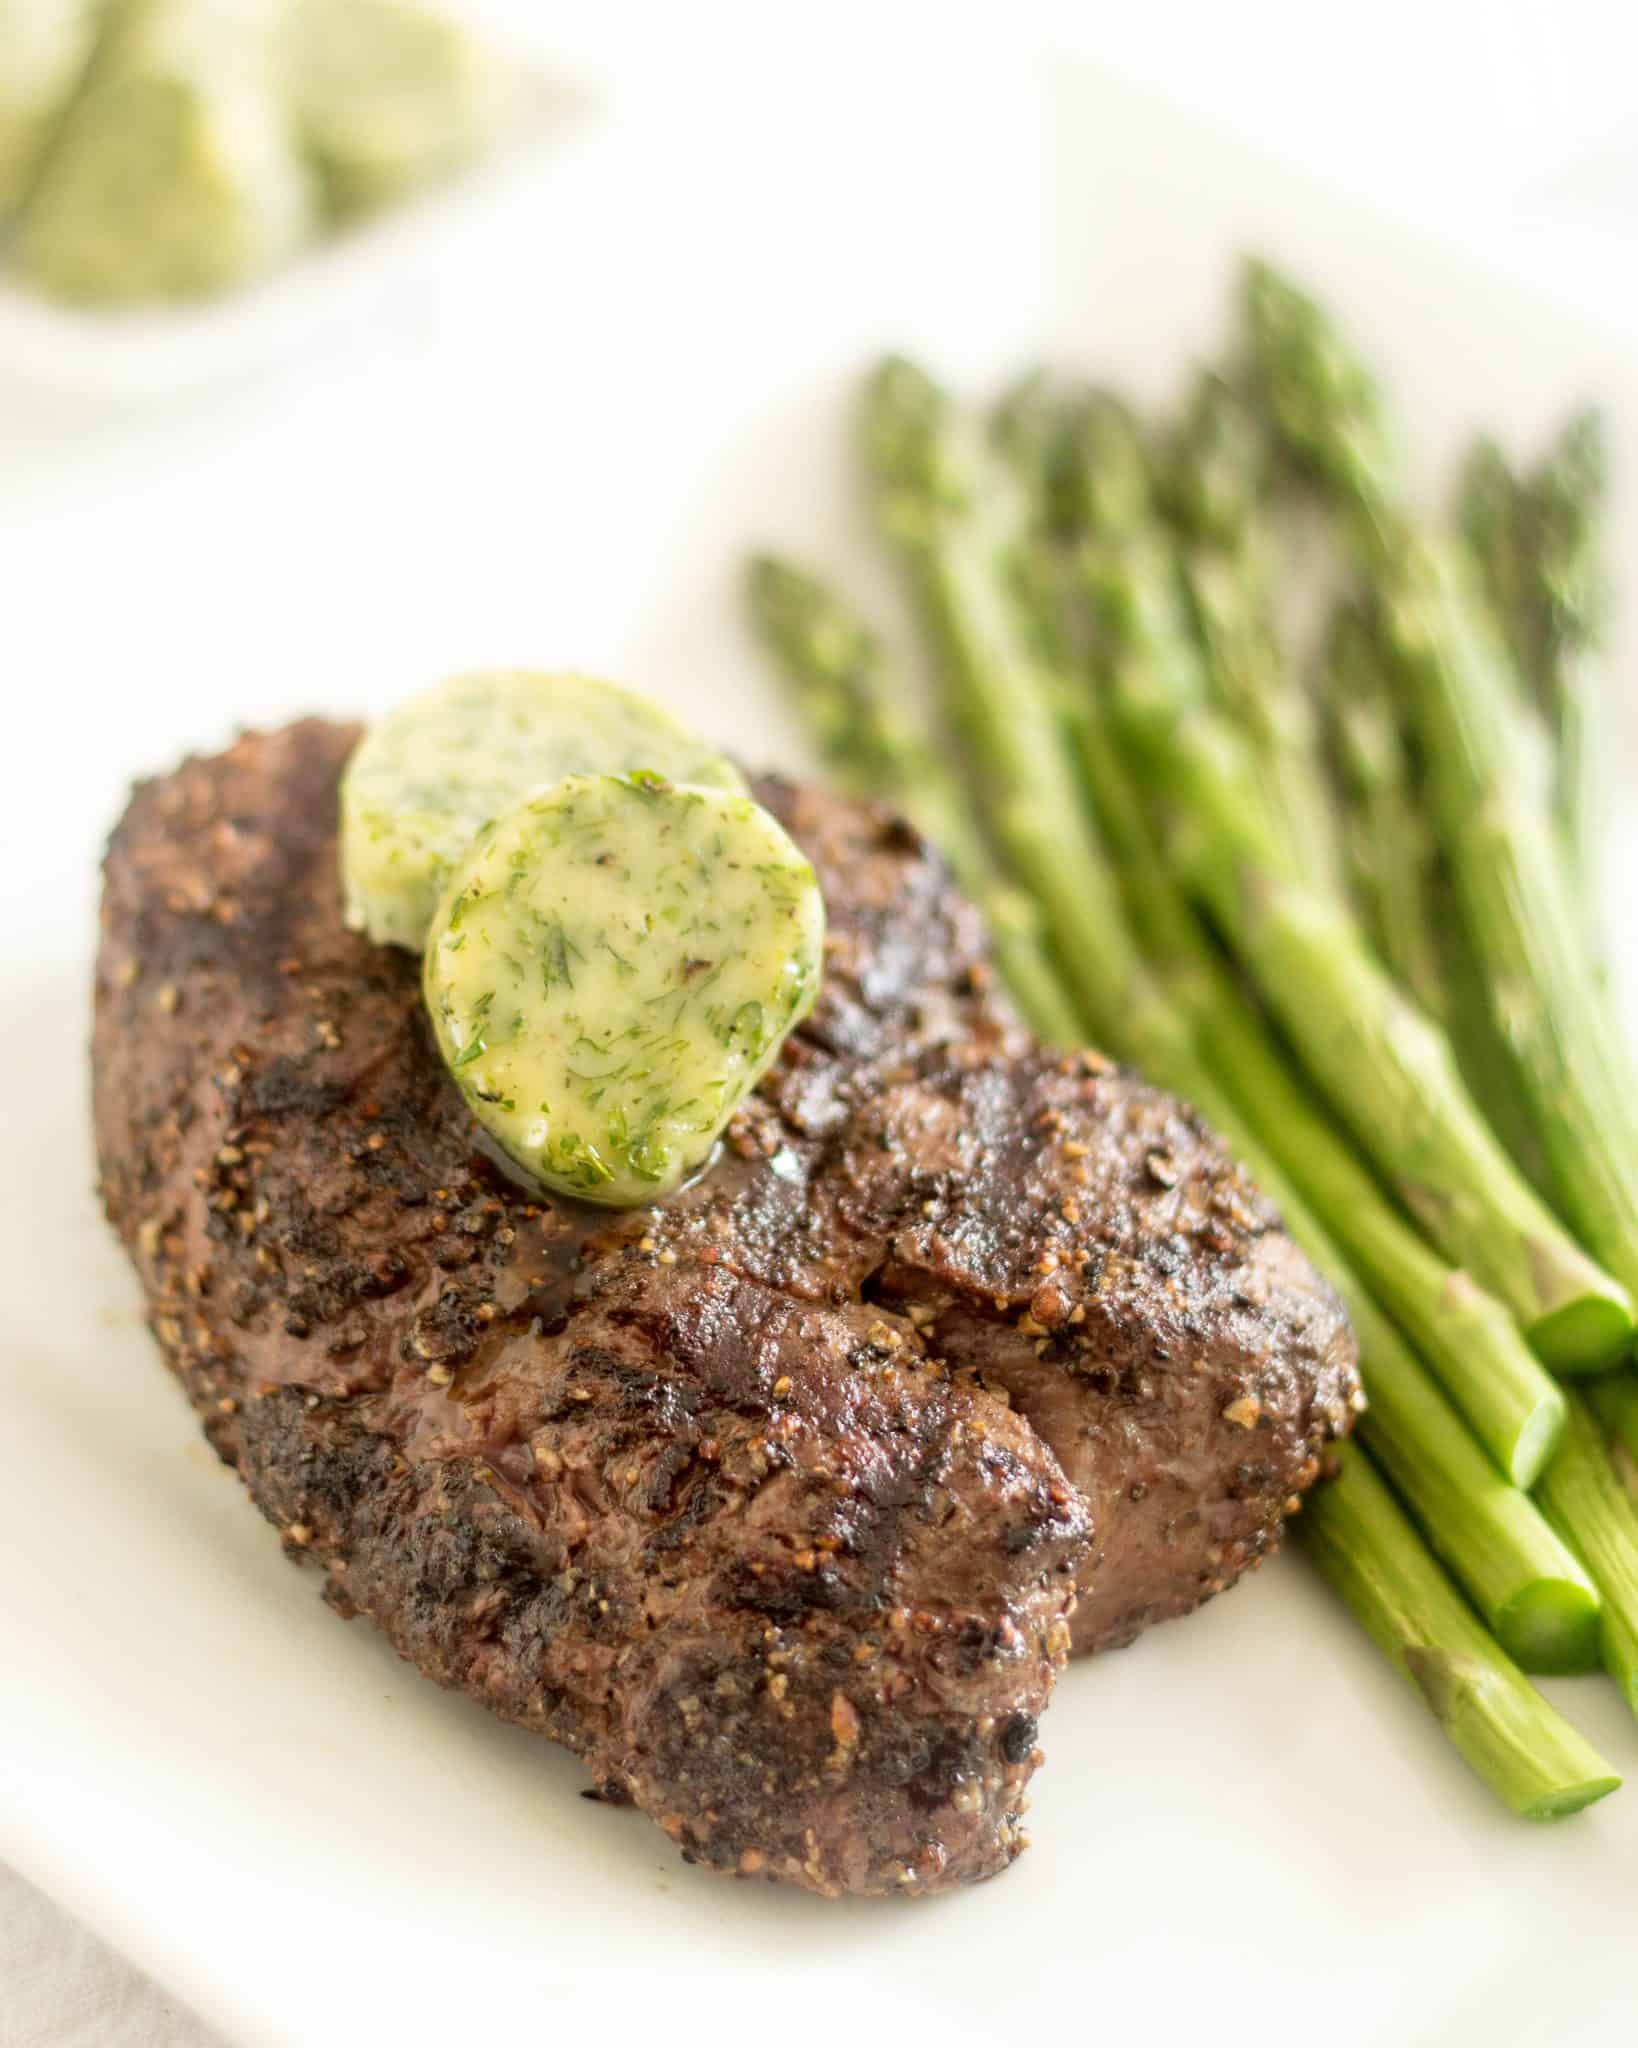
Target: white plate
1245	1828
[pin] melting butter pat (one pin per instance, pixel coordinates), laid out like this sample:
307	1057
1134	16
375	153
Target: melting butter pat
432	772
611	970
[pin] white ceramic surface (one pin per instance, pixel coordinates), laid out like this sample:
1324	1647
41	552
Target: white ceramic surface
558	454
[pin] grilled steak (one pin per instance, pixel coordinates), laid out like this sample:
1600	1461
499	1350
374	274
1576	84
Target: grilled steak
757	1500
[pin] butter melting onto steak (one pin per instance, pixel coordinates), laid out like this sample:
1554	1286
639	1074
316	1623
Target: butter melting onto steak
771	1502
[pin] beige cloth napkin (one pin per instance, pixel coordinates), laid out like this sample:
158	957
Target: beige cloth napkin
60	1987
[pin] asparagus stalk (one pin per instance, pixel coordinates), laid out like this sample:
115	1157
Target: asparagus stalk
1392	861
1615	1402
1536	544
1028	429
1179	1045
1464	1334
1568	602
1487	1063
1575	1069
1400	886
1532	1591
1362	1544
1214	482
1400	878
944	505
1502	520
1491	510
1386	1068
1105	488
853	702
1530	1587
1584	1498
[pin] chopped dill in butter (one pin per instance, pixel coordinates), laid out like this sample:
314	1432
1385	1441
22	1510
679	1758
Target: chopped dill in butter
612	968
431	772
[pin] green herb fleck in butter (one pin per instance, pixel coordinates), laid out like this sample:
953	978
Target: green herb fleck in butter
430	773
612	969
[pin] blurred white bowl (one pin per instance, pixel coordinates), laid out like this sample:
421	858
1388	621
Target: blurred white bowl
338	281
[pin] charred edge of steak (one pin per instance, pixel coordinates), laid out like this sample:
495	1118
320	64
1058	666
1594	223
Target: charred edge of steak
751	1500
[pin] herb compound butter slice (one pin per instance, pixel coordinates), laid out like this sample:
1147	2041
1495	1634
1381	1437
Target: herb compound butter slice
389	96
613	968
44	45
434	770
175	173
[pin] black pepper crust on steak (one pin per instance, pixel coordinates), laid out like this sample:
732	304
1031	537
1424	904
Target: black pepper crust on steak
756	1500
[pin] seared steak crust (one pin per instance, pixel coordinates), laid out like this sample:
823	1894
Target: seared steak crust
754	1500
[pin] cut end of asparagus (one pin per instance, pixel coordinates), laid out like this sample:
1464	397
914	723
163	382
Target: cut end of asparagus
1558	1775
1539	1432
1525	1751
1590	1333
1551	1627
1564	1800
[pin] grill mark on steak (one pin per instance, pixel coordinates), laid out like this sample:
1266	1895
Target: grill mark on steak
755	1500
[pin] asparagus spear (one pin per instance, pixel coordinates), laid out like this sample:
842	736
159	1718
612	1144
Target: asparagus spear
945	505
1400	878
1391	857
1213	484
1615	1402
1466	1335
1486	1061
1463	1333
1525	537
1569	601
1575	1069
1536	543
1028	429
1492	513
854	704
1179	1043
1532	1591
1530	1588
1585	1500
1386	1068
1362	1544
1399	883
